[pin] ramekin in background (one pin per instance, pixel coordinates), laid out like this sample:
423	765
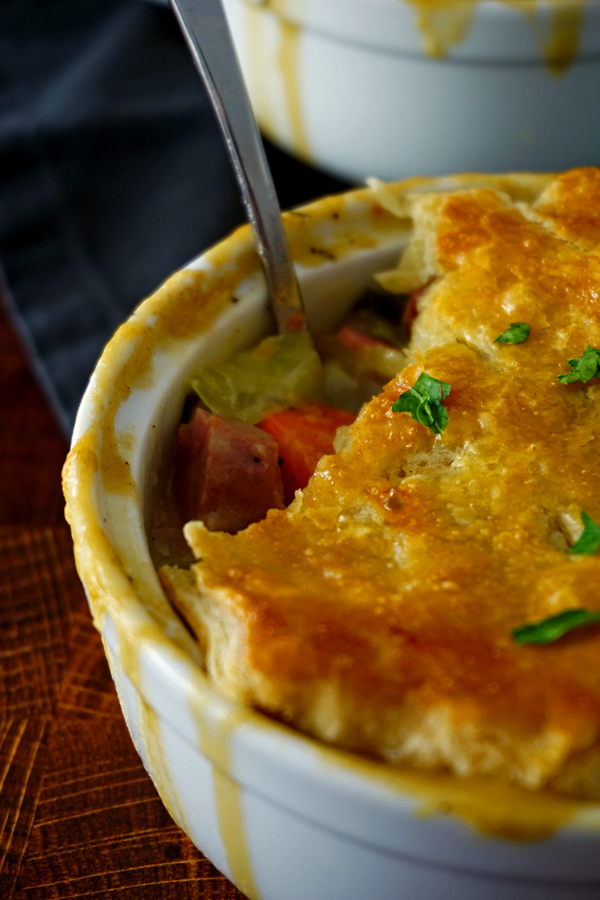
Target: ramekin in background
392	88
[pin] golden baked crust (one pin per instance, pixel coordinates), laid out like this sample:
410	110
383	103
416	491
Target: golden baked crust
376	611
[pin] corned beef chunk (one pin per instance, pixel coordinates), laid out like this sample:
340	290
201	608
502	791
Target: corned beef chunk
227	473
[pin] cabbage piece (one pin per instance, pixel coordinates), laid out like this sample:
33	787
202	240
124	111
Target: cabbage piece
368	363
280	372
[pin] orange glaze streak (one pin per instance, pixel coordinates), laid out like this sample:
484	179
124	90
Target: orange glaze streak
445	24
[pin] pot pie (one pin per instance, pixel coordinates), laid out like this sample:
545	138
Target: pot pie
384	609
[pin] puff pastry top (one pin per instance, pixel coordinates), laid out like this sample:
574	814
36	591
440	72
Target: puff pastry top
376	611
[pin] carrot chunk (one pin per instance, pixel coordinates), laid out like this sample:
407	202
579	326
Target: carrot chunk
304	435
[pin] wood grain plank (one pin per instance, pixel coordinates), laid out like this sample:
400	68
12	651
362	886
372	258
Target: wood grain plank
39	591
79	816
100	829
19	792
32	447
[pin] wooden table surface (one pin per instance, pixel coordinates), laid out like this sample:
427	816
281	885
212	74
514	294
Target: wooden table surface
79	816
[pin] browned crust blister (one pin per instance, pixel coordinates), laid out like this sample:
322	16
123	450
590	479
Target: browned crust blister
376	611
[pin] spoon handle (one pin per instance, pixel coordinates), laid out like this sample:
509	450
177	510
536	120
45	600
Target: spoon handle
206	32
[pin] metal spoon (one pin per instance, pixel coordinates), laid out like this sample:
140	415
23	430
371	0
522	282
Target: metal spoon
205	29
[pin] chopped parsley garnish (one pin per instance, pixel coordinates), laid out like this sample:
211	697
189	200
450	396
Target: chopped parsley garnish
516	333
589	540
549	630
423	402
583	368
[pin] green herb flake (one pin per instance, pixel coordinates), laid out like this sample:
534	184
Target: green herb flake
423	402
516	333
549	630
589	540
583	368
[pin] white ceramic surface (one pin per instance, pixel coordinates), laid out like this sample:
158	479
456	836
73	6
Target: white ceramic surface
282	816
352	85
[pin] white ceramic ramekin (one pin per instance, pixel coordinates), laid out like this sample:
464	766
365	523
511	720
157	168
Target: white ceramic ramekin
282	816
396	87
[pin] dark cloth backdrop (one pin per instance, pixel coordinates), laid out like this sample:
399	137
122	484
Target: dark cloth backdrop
113	173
